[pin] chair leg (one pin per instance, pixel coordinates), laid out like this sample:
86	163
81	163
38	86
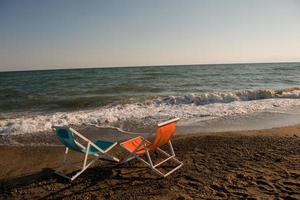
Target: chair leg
149	158
84	167
129	158
170	172
109	157
171	148
66	163
86	155
66	154
150	162
169	157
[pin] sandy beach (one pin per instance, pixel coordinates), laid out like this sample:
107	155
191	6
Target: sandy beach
220	79
263	164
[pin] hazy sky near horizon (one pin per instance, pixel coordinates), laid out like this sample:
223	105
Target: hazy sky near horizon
44	34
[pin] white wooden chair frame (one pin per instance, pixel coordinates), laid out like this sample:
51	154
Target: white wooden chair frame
65	163
170	156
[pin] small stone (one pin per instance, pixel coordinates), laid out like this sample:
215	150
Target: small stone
291	197
221	194
183	197
164	191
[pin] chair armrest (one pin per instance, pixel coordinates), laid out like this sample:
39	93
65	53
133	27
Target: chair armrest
123	131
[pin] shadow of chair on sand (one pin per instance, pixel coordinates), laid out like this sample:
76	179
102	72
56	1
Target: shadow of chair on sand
95	178
9	184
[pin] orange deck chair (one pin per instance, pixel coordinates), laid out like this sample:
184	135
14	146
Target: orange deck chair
139	146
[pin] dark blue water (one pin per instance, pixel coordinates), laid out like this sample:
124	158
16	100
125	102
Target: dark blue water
75	89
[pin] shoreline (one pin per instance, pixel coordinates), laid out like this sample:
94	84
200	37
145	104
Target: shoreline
248	122
202	110
231	164
240	123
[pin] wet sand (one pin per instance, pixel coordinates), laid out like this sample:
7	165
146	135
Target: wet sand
263	164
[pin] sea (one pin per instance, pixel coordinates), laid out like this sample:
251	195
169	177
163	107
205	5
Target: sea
34	101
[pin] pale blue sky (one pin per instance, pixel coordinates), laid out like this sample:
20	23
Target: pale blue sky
44	34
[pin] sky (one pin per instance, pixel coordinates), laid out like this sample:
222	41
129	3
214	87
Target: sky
51	34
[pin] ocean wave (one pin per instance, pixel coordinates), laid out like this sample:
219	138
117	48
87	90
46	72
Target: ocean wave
193	106
228	97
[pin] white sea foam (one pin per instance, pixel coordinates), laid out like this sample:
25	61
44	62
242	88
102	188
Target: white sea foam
227	97
200	106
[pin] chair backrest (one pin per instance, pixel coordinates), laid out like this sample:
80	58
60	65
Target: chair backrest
66	137
164	133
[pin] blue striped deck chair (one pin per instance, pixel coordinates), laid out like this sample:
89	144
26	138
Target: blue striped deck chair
98	149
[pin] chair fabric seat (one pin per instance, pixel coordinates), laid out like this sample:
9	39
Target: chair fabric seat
67	138
132	144
104	145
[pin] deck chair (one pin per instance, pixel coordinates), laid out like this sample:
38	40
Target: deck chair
139	146
99	150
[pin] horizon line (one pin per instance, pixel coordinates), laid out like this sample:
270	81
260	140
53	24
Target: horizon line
156	65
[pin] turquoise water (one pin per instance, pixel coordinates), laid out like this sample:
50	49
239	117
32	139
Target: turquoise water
75	89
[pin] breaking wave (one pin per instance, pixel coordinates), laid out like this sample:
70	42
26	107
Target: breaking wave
228	97
200	105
